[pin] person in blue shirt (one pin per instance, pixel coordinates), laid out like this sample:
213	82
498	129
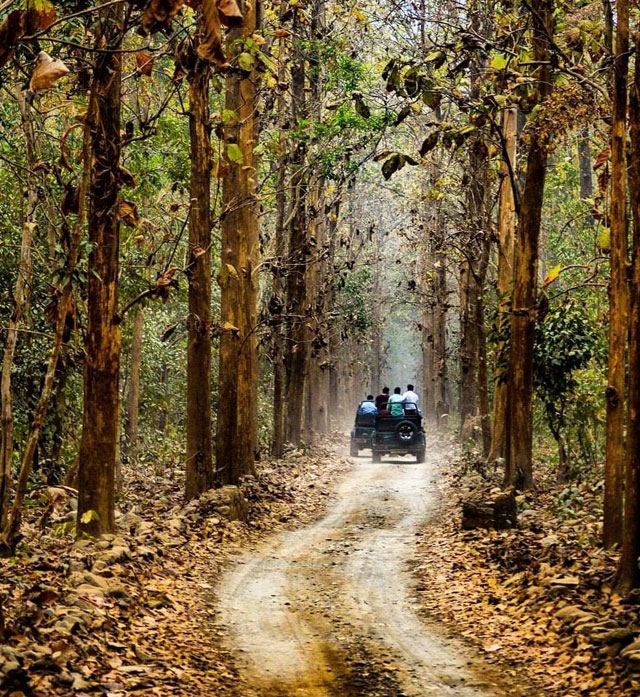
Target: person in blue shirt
368	406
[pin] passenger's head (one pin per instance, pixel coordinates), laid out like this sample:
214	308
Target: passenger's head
369	398
385	390
410	388
397	390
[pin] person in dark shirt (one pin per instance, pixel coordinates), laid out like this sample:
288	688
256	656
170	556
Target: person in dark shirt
382	398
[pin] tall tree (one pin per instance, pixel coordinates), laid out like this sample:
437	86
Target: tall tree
506	244
279	302
618	290
199	470
20	297
237	435
133	391
519	470
628	575
297	347
99	443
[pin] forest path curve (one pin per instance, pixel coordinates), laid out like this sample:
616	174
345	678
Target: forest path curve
327	609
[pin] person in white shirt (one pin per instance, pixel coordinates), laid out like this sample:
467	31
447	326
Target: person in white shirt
410	397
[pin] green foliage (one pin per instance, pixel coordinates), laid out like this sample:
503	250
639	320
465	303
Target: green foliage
356	301
564	343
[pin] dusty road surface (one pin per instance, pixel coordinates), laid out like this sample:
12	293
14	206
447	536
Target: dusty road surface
328	610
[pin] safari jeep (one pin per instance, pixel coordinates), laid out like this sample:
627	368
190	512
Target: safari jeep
399	435
361	432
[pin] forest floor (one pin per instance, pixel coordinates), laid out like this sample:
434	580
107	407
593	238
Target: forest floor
347	578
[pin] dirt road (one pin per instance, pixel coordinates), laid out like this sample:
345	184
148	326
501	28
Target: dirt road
328	610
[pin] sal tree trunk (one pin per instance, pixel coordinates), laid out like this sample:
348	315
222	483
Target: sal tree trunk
618	290
628	575
99	443
133	392
199	469
506	244
297	348
279	375
237	434
20	301
519	470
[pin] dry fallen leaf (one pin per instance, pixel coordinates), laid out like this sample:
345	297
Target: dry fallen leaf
47	72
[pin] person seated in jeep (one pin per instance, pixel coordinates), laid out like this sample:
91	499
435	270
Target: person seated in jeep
368	406
396	403
382	398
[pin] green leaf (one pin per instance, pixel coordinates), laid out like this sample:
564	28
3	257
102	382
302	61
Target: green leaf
604	239
89	516
393	164
228	116
429	143
246	61
234	153
551	276
499	61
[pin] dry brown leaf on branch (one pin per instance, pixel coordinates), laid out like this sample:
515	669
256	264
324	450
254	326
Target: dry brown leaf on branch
230	14
210	47
128	213
11	31
41	14
144	61
159	14
47	72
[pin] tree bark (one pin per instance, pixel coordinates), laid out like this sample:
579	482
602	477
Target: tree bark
20	300
482	375
440	318
618	289
279	375
133	392
519	470
99	443
628	575
199	468
584	163
297	348
237	438
506	248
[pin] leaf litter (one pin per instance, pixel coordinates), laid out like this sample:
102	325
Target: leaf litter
134	612
537	598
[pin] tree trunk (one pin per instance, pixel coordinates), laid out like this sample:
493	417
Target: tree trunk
237	437
279	375
99	443
20	300
163	413
483	386
468	397
618	289
628	575
584	163
519	470
199	468
133	392
440	318
333	400
297	348
506	248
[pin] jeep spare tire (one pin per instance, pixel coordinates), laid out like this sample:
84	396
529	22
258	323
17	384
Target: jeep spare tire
405	431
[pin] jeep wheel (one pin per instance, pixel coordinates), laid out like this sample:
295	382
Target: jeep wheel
376	457
354	451
421	456
405	431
